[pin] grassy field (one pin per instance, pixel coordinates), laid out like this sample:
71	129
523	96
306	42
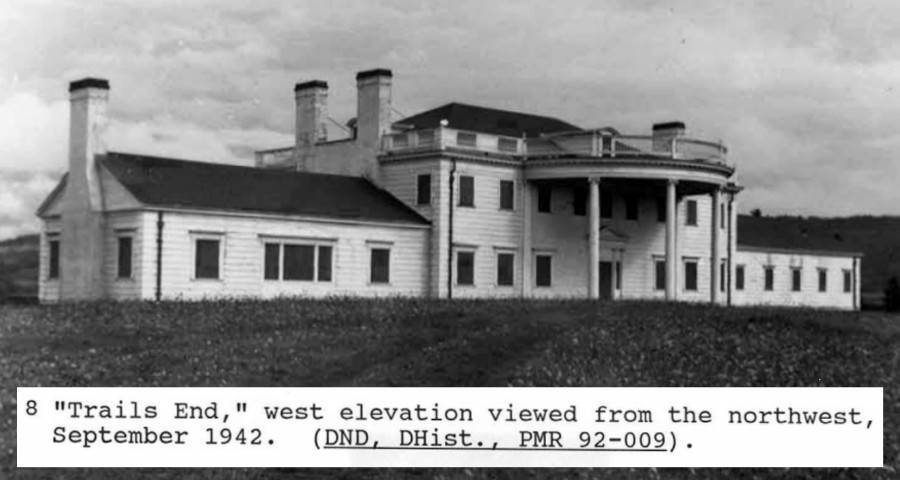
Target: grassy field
437	343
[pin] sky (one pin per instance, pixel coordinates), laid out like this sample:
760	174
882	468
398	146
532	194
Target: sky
805	94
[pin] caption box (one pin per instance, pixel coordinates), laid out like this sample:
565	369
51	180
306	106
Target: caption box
449	427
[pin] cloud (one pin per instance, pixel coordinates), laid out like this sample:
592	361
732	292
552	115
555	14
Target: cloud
804	93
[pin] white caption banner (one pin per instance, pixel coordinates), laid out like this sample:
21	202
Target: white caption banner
449	427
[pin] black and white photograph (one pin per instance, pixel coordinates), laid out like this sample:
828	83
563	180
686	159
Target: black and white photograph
411	193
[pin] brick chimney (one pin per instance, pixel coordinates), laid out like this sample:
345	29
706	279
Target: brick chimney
81	256
664	133
311	99
373	106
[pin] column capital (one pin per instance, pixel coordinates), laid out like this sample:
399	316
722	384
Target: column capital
671	181
594	179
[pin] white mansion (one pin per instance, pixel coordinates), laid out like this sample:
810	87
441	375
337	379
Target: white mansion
458	201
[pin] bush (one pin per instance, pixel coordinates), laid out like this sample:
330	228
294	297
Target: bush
892	295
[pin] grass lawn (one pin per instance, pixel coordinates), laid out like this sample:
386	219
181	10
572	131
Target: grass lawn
339	342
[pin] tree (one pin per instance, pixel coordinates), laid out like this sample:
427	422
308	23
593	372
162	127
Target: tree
756	213
892	295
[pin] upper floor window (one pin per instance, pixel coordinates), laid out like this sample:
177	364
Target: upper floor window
606	205
423	189
544	197
53	270
466	139
823	279
124	259
507	194
579	200
466	191
739	277
691	214
769	273
507	145
631	207
207	253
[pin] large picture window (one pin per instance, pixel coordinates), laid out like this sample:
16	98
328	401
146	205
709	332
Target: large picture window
297	261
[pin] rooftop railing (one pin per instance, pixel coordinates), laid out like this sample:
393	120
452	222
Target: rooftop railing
590	143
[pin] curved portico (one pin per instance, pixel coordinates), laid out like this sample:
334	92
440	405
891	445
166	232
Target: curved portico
665	165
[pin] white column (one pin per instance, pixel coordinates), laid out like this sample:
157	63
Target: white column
527	216
594	238
714	251
671	251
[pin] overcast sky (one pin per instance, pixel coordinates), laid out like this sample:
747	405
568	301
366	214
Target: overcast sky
805	95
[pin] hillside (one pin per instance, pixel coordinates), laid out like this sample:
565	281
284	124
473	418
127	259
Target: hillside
19	267
878	238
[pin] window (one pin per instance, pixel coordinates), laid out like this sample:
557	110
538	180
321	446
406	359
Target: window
631	207
206	258
299	262
823	279
505	269
124	257
423	189
848	281
543	264
506	194
380	265
660	274
739	277
579	201
691	216
507	144
606	205
465	139
544	198
54	259
795	279
323	272
466	191
305	262
271	262
618	285
660	209
722	279
606	143
690	275
465	268
769	278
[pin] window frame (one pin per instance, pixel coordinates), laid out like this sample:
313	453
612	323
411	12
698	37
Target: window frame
378	246
544	192
659	273
538	256
423	198
848	280
119	238
53	259
691	215
467	200
511	184
695	262
796	279
739	277
823	279
768	278
512	267
196	238
317	245
467	252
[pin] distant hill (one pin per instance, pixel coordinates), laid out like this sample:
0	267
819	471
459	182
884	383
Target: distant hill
19	267
877	238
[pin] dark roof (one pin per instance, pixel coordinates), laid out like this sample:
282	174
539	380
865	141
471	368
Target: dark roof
488	120
166	182
793	233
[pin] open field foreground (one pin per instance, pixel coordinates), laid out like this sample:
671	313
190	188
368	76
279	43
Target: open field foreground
342	342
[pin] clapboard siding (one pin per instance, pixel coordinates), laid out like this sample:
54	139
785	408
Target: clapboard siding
120	224
48	289
242	240
754	292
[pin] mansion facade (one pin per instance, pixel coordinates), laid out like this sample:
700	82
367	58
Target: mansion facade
457	201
